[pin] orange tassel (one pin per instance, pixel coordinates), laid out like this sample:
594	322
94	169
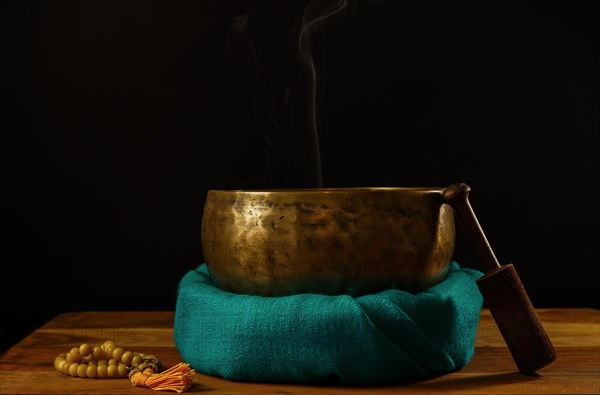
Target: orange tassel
178	378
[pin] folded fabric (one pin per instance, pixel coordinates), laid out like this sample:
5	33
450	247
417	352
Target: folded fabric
374	339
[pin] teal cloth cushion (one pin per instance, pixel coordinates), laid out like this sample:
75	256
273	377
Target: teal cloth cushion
374	339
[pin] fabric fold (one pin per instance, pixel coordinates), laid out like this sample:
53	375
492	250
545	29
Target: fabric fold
374	339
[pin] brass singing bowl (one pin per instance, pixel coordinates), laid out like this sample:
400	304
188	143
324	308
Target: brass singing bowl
330	241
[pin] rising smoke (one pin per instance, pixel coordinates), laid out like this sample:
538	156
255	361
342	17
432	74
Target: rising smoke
279	38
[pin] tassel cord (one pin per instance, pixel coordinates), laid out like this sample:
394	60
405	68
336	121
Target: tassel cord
177	378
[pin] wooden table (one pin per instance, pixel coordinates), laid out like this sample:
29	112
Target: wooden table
27	368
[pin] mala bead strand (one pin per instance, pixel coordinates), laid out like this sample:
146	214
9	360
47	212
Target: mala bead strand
105	361
111	361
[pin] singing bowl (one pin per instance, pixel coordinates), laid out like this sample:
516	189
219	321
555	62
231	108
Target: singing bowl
331	241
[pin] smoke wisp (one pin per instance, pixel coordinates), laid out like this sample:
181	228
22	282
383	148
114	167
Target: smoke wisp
279	40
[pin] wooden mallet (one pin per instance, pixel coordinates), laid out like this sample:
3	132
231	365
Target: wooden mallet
503	292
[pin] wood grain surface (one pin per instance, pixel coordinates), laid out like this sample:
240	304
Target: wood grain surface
27	368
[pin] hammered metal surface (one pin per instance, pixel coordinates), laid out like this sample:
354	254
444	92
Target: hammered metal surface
331	241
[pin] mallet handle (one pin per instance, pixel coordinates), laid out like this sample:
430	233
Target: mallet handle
457	196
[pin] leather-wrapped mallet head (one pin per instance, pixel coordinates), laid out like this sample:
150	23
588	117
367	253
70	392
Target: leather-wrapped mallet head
503	292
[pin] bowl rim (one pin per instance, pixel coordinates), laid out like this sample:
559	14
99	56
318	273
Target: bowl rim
333	190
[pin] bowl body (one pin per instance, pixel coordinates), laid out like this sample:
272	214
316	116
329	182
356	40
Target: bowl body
331	241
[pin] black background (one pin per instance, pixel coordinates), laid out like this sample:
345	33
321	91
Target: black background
119	116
